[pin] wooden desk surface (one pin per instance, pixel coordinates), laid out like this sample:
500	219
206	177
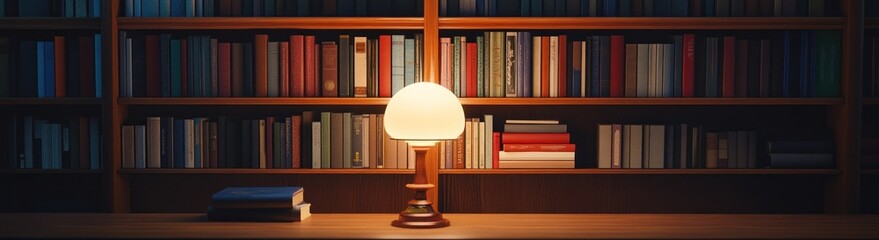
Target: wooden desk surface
537	226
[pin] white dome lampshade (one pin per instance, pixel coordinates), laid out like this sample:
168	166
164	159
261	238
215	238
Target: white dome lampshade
423	113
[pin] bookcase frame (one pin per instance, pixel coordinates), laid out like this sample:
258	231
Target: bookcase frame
842	188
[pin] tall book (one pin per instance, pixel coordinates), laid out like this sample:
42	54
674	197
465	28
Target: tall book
397	63
260	56
345	78
360	64
329	69
297	66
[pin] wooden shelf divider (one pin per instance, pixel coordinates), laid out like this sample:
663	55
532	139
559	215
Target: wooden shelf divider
50	23
244	23
642	23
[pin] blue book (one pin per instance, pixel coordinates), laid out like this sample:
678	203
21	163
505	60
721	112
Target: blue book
205	66
94	143
345	8
625	7
361	8
28	123
560	10
492	8
481	9
99	76
679	8
302	8
3	14
661	8
129	8
813	70
257	8
708	8
209	9
68	8
548	8
536	8
268	8
595	60
35	8
49	63
526	61
164	8
27	54
41	69
610	8
178	8
138	8
257	197
584	8
199	8
81	9
454	8
96	8
179	149
165	63
195	91
150	8
668	78
175	68
188	8
409	61
576	70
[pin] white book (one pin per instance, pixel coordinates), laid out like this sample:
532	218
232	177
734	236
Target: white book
359	66
535	67
536	156
489	137
154	142
366	141
189	142
535	164
140	146
553	66
604	148
481	143
315	145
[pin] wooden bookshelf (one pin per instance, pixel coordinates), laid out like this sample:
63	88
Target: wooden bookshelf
50	171
265	171
594	171
638	23
493	101
229	23
50	101
50	23
871	23
871	101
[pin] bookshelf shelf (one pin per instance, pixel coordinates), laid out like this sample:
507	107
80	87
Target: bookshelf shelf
266	171
50	23
640	23
489	101
593	171
50	171
50	101
227	23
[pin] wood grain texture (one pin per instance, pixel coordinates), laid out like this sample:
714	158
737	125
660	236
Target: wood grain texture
595	171
491	101
50	101
470	226
50	23
116	196
266	171
638	23
228	23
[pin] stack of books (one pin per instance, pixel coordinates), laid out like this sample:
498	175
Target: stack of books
259	204
536	144
801	154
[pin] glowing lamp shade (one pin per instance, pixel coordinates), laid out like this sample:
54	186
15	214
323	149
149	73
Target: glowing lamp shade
424	112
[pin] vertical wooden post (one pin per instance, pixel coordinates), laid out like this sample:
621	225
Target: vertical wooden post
116	186
431	74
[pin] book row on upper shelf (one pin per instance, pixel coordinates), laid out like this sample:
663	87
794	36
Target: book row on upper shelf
272	8
51	8
29	142
639	8
871	8
62	66
687	146
517	64
163	65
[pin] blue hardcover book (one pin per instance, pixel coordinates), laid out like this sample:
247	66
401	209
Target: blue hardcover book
708	8
149	8
179	144
584	8
536	8
175	68
481	9
257	8
199	8
81	9
41	69
178	8
165	56
454	8
3	14
268	8
94	143
610	9
661	8
679	8
492	7
678	61
526	61
35	8
409	61
247	8
95	8
625	7
548	8
302	8
99	76
28	124
595	60
361	8
49	63
668	71
248	69
188	8
164	8
195	44
257	197
560	10
138	8
69	10
209	9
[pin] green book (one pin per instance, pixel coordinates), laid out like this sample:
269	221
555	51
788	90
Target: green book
480	67
346	140
456	66
325	139
828	44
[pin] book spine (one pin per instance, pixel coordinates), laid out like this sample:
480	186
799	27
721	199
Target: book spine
397	63
530	138
330	69
510	55
297	66
360	68
617	61
729	59
311	88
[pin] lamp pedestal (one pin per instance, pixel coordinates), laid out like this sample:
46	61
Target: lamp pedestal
420	213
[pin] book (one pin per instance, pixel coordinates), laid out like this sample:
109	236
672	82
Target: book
525	138
801	160
535	164
330	70
536	128
257	197
297	213
539	147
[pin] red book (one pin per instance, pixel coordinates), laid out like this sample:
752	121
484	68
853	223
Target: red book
310	78
260	65
531	138
495	149
269	131
296	127
87	67
384	66
471	69
729	67
689	58
153	80
60	68
284	65
533	147
741	68
544	66
224	78
563	66
297	65
184	80
617	60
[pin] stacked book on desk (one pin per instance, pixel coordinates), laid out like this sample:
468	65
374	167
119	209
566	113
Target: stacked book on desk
801	154
259	204
536	144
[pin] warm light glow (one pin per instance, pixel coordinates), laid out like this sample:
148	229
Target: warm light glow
424	112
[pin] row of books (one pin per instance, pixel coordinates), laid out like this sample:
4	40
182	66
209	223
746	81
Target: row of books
29	142
272	8
475	148
66	66
871	66
51	8
639	8
536	144
674	146
801	154
298	66
516	64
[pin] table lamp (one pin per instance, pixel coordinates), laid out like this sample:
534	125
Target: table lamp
422	114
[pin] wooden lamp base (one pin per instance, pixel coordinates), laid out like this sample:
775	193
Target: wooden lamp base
420	213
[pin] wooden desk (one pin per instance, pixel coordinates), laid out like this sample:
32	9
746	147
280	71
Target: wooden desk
538	226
